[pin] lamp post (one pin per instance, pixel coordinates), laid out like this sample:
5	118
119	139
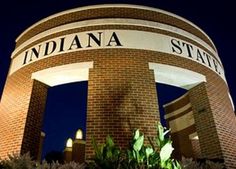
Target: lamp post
78	149
68	150
42	136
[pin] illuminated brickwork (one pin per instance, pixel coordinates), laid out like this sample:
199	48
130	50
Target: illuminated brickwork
121	87
179	117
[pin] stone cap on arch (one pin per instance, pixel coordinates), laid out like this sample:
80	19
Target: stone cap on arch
113	11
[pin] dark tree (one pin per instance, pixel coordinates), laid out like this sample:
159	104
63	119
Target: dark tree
54	156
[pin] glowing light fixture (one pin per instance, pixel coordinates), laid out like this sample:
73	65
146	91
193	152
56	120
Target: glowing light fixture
69	143
196	138
79	134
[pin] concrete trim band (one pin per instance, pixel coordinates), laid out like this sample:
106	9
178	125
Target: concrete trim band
115	21
129	39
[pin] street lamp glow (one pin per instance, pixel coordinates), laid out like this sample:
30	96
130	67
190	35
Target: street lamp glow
69	143
79	134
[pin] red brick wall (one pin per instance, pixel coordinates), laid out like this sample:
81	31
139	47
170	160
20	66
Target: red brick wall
13	112
121	97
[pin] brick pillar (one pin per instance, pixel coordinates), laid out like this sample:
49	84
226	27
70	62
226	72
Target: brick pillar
67	154
225	120
22	100
121	97
215	121
33	127
204	122
78	151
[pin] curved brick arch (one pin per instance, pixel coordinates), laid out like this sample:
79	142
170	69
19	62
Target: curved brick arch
121	87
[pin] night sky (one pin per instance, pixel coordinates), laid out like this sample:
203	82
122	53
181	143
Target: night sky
216	18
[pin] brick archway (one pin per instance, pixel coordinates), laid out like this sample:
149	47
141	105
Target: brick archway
42	80
121	41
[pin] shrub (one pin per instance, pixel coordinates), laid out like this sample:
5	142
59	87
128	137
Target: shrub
189	163
156	155
18	162
72	165
138	156
107	156
25	162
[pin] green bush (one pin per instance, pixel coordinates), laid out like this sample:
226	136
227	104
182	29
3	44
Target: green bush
155	155
138	156
107	156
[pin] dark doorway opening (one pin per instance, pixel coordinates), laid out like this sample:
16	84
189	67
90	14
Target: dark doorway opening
65	113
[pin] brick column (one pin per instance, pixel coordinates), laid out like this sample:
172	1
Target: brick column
22	101
33	127
78	151
215	121
13	112
204	121
224	118
121	97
